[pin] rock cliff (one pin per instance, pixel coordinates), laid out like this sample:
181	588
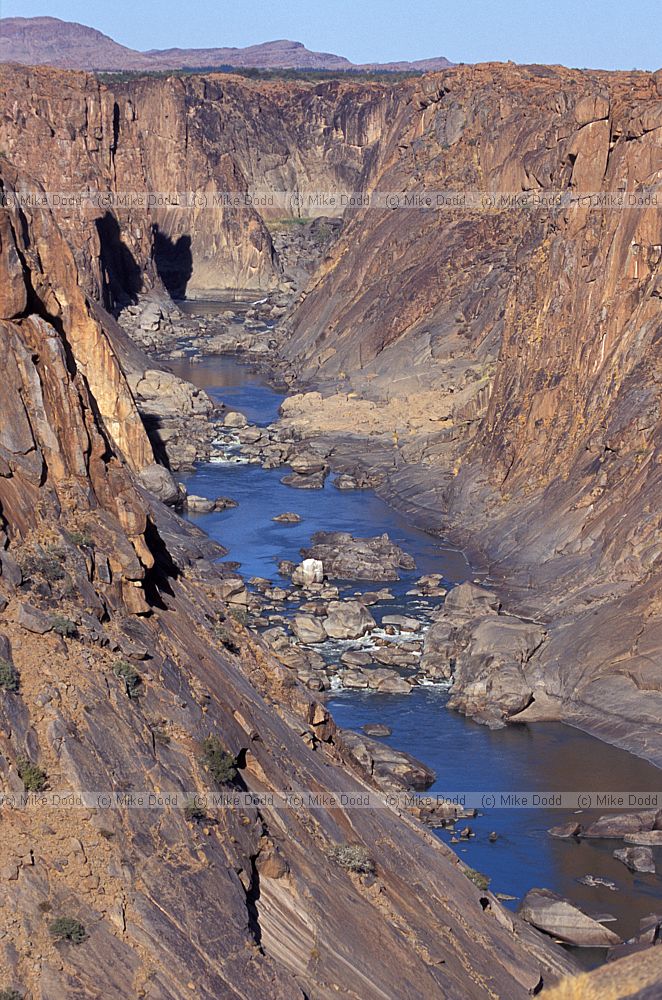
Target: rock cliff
123	673
515	354
200	137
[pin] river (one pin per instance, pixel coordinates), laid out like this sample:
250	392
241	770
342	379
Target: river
466	756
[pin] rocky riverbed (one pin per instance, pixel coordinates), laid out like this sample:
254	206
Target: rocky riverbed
392	626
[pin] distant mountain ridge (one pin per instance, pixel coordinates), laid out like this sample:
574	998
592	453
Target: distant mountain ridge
68	45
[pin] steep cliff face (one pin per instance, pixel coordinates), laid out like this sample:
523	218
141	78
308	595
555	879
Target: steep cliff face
537	333
201	137
118	661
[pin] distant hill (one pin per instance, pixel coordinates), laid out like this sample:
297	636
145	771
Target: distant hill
48	41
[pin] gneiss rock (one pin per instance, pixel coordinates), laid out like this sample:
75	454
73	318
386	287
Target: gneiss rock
308	629
349	558
468	598
564	920
33	619
376	729
637	859
390	769
566	831
652	838
650	928
618	825
348	620
308	572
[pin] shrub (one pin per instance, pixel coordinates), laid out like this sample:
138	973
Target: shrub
8	676
354	857
32	776
226	638
239	615
64	626
46	563
221	765
194	812
68	929
128	673
478	879
10	994
81	539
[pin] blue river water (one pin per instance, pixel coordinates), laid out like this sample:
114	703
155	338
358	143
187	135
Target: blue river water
546	757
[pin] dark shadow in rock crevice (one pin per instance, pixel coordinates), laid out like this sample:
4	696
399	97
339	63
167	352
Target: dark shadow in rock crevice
121	277
173	261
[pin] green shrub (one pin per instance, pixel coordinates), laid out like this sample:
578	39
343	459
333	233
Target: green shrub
221	765
81	539
64	626
46	563
8	676
32	776
354	857
226	638
10	994
478	879
128	673
239	615
68	929
194	812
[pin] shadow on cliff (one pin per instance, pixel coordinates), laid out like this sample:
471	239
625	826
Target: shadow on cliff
121	276
173	261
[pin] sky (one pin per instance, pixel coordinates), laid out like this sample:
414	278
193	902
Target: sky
605	34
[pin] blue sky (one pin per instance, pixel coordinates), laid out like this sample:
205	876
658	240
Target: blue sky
608	34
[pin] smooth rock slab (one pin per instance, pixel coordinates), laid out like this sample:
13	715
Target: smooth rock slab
637	859
564	920
646	838
617	825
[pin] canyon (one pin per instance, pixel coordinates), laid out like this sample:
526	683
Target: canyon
494	372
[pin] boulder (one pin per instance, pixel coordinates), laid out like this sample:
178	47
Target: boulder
564	920
402	622
199	505
308	572
637	859
391	769
234	419
348	620
33	619
566	831
304	481
471	599
224	503
289	517
232	590
376	729
356	658
308	629
159	482
647	838
617	825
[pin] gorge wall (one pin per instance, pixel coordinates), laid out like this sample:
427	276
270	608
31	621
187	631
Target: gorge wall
522	348
203	136
511	353
96	575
